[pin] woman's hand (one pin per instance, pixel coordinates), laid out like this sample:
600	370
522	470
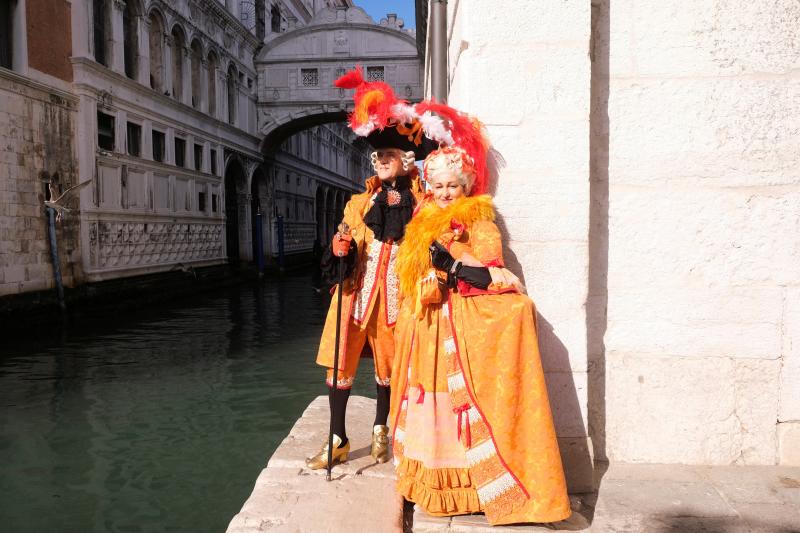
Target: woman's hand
502	277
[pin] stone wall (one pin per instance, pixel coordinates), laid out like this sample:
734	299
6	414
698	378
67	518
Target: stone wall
525	73
36	143
650	194
700	136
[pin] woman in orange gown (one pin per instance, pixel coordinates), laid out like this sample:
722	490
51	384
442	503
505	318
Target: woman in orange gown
472	426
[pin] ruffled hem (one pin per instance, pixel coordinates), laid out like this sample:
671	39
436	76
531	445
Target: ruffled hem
439	491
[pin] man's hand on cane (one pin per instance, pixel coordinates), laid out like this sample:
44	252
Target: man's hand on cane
340	245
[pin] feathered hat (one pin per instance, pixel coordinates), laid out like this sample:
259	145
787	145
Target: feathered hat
389	122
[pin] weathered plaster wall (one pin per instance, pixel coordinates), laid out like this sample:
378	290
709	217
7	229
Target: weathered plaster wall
36	142
525	72
703	214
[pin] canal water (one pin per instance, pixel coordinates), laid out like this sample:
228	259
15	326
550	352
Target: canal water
159	419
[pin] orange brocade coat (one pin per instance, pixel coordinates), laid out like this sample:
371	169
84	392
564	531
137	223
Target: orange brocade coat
472	426
366	285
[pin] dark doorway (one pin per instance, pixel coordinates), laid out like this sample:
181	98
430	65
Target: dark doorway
259	203
234	180
319	215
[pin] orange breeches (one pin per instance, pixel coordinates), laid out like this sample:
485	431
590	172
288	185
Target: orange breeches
380	337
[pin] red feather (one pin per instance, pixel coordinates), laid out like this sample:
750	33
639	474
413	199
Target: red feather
466	135
351	79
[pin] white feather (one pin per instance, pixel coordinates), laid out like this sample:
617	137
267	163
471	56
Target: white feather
435	128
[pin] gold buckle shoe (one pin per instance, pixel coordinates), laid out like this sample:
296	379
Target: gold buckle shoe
380	444
321	459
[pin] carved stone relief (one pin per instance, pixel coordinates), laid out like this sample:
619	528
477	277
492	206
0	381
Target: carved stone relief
115	244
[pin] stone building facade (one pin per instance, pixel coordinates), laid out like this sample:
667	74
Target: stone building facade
149	108
38	118
650	194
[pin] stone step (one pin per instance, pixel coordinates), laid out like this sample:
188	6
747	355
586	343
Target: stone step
632	498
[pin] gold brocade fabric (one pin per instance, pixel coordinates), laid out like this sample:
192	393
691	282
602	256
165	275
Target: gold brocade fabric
470	412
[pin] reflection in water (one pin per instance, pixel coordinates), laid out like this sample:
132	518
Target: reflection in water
158	421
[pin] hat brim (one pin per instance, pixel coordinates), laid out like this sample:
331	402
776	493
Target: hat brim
389	137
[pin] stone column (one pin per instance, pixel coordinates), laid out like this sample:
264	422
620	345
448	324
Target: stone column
536	110
221	112
167	66
186	93
245	227
223	108
116	55
143	73
204	95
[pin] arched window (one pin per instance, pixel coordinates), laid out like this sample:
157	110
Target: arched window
232	94
212	84
100	30
197	73
178	44
156	34
261	19
130	34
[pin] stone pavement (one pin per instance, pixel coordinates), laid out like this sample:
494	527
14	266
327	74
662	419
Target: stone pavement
632	498
288	497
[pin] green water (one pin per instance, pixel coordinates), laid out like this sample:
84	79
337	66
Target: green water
158	420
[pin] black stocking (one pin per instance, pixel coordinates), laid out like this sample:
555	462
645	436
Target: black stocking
338	401
382	410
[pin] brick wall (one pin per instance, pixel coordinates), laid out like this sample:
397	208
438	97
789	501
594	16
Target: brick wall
49	32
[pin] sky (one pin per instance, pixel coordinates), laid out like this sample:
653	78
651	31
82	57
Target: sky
377	9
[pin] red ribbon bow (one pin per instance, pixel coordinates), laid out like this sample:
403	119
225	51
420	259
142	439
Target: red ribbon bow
464	410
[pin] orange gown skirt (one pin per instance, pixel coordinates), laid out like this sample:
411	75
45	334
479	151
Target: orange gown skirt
470	416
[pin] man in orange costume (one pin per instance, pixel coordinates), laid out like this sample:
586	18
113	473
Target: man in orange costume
368	239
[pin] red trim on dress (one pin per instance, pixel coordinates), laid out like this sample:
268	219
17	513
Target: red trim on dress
466	290
385	280
474	402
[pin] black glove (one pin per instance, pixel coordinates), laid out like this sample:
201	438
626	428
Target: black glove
440	257
478	277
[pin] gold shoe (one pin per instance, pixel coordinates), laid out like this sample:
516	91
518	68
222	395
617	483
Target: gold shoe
321	459
380	444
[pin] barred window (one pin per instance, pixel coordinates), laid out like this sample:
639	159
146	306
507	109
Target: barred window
180	152
134	139
375	74
310	77
340	72
159	146
105	131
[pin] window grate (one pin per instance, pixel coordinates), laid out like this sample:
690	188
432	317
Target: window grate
310	77
375	74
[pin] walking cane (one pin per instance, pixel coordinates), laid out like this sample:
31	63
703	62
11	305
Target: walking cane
344	230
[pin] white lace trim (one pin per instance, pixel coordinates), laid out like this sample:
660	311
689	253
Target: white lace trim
495	488
480	452
456	382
